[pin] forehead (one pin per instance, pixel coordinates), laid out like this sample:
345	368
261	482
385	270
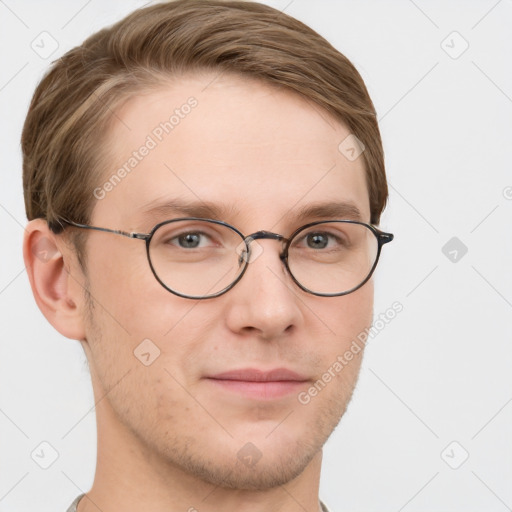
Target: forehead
255	151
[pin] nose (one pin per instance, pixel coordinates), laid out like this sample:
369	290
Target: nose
265	301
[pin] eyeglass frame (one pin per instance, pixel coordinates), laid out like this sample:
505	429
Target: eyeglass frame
381	236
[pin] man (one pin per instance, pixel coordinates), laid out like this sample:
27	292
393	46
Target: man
203	181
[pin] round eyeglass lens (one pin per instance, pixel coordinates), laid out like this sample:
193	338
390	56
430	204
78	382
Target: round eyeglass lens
333	257
197	258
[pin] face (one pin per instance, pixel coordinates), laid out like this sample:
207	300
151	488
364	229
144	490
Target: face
257	157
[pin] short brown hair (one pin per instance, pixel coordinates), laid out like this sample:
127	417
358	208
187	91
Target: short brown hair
73	105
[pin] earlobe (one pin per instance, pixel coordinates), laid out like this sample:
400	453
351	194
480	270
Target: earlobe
57	293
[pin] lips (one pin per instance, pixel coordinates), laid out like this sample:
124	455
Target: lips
255	375
257	384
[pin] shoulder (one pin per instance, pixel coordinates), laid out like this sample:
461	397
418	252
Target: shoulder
324	507
72	507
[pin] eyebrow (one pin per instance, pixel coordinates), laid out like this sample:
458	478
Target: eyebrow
330	210
171	207
162	210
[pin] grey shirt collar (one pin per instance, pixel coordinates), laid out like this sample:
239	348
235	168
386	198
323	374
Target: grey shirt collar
72	507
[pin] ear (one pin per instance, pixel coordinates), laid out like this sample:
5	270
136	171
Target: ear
54	280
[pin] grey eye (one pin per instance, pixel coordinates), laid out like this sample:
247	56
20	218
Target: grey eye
317	240
189	240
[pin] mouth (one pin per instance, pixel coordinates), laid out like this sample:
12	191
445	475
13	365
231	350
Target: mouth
259	384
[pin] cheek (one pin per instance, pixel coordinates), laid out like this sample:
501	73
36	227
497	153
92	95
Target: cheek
137	324
349	315
125	289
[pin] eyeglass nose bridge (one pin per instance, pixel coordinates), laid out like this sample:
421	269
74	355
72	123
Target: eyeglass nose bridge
260	235
265	234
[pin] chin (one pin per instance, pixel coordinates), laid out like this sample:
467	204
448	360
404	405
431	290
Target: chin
257	475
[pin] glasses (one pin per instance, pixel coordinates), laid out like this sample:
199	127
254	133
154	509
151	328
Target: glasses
198	258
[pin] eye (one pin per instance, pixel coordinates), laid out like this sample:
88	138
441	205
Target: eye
190	240
317	240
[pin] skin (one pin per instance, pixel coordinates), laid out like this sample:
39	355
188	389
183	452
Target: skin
168	438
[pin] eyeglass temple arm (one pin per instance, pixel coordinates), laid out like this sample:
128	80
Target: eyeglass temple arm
141	236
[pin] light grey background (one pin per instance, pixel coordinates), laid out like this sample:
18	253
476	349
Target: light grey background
439	372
